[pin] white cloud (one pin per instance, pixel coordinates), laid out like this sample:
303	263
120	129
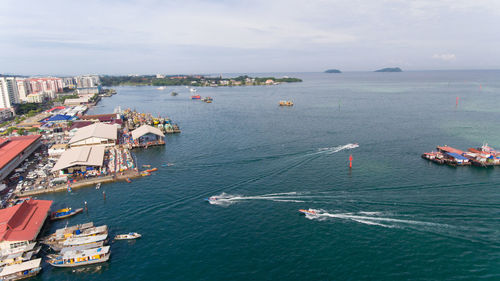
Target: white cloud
444	57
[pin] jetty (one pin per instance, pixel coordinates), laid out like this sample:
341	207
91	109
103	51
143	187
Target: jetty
483	156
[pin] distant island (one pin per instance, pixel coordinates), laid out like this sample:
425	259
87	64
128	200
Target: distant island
333	71
192	80
390	69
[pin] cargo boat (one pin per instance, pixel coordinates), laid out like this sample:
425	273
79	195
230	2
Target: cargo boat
21	270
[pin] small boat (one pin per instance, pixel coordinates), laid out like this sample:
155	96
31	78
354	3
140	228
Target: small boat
308	212
151	170
62	237
68	231
192	90
81	257
128	180
146	166
129	236
161	88
64	213
208	99
197	97
21	270
98	186
174	94
286	103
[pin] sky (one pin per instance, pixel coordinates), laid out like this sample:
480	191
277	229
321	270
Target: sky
198	36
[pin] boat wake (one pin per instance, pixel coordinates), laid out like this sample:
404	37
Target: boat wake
225	199
335	149
370	218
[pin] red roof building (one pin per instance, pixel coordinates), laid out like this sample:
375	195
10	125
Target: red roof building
14	150
22	222
449	149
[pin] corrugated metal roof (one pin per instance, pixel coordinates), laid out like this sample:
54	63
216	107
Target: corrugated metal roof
98	130
146	129
81	156
11	269
13	146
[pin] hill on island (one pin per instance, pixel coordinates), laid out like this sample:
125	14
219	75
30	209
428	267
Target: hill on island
390	69
333	71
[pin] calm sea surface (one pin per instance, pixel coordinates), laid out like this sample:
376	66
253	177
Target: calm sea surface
395	216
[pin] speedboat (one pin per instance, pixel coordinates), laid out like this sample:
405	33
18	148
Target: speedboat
129	236
308	212
98	185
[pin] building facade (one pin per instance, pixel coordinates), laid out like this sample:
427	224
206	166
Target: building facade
8	92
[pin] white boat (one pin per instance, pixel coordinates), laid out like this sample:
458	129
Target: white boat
84	240
161	88
131	235
21	249
19	257
62	232
79	258
82	247
21	270
192	90
97	230
98	185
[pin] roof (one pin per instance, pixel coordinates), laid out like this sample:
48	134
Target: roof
80	124
146	129
79	100
11	269
457	156
59	117
100	117
11	147
56	108
58	146
449	149
81	156
23	221
97	130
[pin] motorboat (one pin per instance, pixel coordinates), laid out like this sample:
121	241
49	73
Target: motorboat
128	236
308	212
81	257
64	213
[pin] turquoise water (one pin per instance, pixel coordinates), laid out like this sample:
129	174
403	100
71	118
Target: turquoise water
394	216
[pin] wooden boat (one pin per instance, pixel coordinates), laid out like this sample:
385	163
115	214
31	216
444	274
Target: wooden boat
286	103
64	213
79	258
129	236
151	170
21	270
19	257
128	180
98	230
60	233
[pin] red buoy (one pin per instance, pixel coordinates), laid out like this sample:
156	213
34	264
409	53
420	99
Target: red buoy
350	161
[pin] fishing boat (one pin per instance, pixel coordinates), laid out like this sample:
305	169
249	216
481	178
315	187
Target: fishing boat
196	97
129	236
128	180
174	94
19	257
64	213
80	247
71	230
81	257
98	230
151	170
98	186
208	99
308	212
21	270
286	103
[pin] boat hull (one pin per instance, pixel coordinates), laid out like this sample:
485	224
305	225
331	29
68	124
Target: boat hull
76	264
77	211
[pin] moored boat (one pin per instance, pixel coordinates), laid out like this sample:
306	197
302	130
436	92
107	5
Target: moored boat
98	186
64	213
129	236
174	94
61	232
92	231
78	241
82	247
81	257
21	270
196	97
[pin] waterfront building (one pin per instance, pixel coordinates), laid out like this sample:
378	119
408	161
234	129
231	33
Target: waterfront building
14	150
87	81
8	92
22	223
147	135
82	159
88	91
95	134
78	101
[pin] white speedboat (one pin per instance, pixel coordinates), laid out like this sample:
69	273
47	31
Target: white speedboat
129	236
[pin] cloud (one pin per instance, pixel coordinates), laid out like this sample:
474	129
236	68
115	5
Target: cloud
444	57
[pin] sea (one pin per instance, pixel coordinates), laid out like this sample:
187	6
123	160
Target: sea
392	216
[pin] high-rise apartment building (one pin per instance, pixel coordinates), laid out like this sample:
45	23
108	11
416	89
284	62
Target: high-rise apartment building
8	92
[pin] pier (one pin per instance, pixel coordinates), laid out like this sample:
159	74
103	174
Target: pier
483	156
